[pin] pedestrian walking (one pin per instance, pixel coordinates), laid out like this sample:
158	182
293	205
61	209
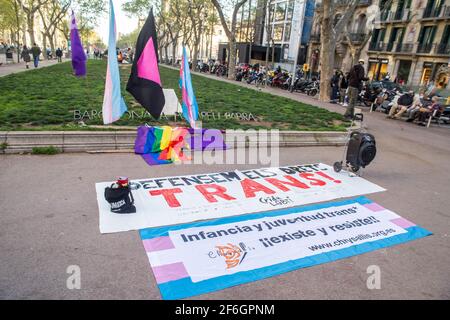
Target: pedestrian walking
335	86
36	52
343	86
26	56
59	54
356	76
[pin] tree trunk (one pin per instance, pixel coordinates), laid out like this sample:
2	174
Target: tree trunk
327	51
166	53
232	60
174	52
195	58
30	27
24	35
210	44
273	54
52	43
44	45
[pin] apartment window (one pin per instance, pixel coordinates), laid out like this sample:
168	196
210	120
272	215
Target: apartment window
287	32
433	8
392	38
290	10
444	46
426	38
280	12
272	12
278	33
377	39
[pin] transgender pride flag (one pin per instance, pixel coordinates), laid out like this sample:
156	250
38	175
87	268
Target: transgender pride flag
113	104
189	105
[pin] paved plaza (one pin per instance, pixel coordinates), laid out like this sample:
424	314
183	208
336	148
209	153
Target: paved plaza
49	221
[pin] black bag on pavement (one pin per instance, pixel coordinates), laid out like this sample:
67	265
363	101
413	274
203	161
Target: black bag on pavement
121	199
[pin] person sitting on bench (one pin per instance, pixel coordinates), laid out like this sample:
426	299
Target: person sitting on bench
405	101
424	113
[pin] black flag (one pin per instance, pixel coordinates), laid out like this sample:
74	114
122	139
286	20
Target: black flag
144	82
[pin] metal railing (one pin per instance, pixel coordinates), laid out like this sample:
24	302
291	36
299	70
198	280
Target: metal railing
357	37
398	16
345	2
404	47
443	48
424	47
379	46
314	38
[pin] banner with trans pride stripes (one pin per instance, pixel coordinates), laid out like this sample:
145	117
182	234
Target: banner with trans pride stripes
202	257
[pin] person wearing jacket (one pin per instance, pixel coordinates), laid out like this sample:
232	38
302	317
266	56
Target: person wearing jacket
36	51
343	86
26	56
404	102
59	54
356	76
426	112
335	86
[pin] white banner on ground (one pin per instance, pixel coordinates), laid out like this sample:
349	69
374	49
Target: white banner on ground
213	251
175	200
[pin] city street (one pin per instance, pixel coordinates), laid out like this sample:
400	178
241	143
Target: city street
49	221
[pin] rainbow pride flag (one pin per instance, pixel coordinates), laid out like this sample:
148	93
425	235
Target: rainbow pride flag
189	103
161	145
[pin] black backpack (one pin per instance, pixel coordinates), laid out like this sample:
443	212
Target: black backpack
121	199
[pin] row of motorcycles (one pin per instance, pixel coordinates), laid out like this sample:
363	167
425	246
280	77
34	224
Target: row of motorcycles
277	78
219	70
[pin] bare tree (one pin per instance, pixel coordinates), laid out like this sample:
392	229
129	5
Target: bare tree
330	31
197	16
230	31
30	7
52	14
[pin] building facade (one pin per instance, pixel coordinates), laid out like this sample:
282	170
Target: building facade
350	45
277	26
286	23
411	43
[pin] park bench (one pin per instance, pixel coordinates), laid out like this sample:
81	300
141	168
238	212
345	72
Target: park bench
439	119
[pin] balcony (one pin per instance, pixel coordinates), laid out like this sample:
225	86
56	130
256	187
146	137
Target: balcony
424	47
394	17
380	46
436	13
404	48
314	38
389	46
340	3
443	48
357	37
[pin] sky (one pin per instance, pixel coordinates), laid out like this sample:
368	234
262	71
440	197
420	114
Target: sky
124	24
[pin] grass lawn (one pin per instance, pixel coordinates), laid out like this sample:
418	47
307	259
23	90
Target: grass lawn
46	99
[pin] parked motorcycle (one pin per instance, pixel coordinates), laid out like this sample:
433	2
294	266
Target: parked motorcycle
313	88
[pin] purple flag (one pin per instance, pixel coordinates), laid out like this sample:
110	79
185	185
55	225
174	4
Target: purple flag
78	55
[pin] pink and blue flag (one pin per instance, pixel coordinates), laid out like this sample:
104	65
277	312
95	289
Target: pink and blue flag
113	104
78	55
189	103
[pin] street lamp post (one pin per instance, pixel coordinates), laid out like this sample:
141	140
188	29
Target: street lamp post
299	40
